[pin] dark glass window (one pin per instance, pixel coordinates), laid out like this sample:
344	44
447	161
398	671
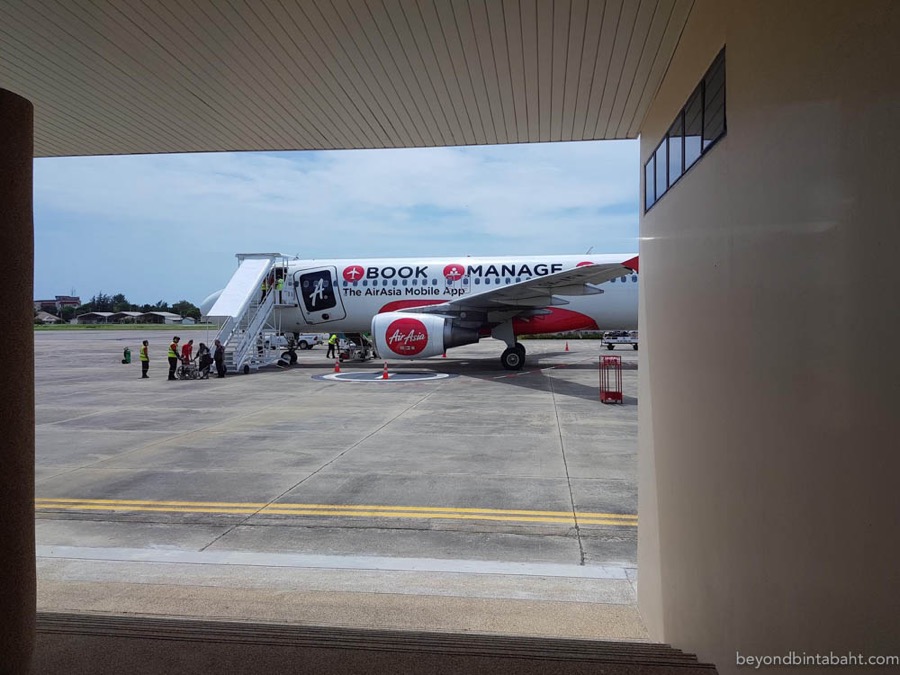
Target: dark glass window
477	281
697	127
649	184
714	102
662	166
693	128
676	147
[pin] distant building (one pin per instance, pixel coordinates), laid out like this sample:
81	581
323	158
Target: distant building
159	317
93	317
45	317
126	317
57	304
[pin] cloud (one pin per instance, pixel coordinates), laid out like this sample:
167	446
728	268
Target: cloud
168	226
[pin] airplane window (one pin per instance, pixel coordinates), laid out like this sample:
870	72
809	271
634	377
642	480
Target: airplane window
477	281
346	283
518	279
415	282
624	279
404	282
613	280
507	279
394	282
634	278
384	282
365	283
434	282
466	281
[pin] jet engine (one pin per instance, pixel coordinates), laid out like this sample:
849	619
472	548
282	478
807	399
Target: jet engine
400	335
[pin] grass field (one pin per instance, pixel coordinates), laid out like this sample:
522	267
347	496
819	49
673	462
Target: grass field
127	326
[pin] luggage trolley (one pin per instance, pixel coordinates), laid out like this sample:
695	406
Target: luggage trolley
356	347
188	371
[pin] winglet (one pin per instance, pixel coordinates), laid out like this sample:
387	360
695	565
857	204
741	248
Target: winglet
631	264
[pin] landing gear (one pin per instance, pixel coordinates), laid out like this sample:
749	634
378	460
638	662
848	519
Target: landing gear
513	358
290	356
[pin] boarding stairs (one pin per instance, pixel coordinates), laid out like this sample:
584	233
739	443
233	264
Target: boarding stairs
246	317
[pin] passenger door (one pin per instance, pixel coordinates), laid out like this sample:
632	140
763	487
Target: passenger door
320	299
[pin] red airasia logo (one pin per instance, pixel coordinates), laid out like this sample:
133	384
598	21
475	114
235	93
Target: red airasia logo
406	337
582	264
454	272
354	273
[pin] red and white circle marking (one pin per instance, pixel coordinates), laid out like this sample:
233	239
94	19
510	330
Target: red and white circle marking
354	273
406	336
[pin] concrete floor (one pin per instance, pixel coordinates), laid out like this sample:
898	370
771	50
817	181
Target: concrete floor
487	502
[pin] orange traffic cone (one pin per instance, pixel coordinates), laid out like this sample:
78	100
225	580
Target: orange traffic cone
567	345
337	366
384	374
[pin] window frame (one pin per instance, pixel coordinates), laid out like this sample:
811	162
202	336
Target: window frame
700	90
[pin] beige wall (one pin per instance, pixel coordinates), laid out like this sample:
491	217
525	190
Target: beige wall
770	478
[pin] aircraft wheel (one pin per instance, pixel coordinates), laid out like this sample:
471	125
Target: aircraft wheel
512	359
521	349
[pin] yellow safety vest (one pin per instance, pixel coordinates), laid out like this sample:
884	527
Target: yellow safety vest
279	285
173	353
333	340
143	354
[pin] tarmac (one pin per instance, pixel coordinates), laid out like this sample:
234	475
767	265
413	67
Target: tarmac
481	501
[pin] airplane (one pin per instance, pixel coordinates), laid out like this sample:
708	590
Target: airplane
416	308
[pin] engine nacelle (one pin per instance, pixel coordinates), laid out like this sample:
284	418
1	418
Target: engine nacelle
399	335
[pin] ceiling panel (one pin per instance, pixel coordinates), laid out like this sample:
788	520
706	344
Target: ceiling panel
141	76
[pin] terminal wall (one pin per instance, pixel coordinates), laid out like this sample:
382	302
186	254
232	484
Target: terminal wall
768	458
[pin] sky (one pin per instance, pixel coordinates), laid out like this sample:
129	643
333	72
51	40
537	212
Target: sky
167	227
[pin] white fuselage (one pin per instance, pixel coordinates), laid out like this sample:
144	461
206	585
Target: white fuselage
344	295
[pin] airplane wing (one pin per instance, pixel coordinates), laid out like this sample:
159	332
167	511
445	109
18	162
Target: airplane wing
531	294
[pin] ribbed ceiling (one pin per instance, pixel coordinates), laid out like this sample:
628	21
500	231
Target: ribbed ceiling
135	76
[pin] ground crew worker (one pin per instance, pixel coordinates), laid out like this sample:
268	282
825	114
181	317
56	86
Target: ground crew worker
173	357
332	346
264	288
279	286
144	355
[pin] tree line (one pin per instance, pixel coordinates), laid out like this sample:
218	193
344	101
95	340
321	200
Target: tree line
119	303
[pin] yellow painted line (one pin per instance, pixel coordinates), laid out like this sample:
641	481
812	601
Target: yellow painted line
249	507
358	511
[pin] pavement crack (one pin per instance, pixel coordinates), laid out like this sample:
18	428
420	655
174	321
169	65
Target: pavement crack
562	447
